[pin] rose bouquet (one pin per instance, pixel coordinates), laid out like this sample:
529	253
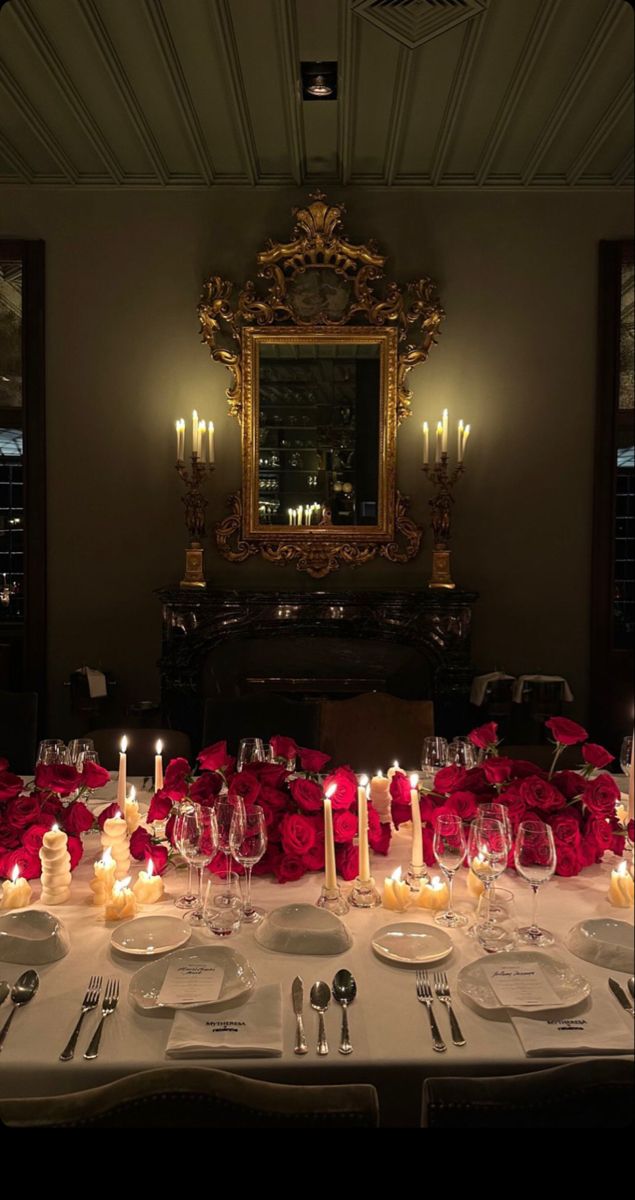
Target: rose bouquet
27	813
292	802
580	806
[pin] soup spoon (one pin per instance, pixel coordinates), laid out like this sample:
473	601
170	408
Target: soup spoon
22	991
344	992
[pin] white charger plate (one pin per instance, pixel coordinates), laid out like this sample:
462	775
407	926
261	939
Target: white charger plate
571	989
239	977
412	942
303	929
145	936
605	941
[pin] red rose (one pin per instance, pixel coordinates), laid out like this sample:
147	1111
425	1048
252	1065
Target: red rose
272	820
400	788
205	789
312	760
475	781
22	811
566	732
344	826
140	843
498	770
32	839
57	777
75	850
215	758
345	781
10	785
630	830
93	776
160	807
314	858
176	778
159	855
272	774
596	756
429	857
567	860
77	818
4	764
601	831
463	804
52	807
379	840
569	783
347	861
283	747
27	861
297	834
485	736
448	779
112	811
601	795
307	795
589	852
269	862
244	786
289	868
522	768
514	803
539	793
566	828
277	800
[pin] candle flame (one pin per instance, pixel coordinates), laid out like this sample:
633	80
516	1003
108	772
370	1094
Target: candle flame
329	791
106	858
55	828
150	868
117	816
15	874
396	875
380	773
363	781
436	882
159	747
120	885
623	868
414	779
396	765
132	797
123	745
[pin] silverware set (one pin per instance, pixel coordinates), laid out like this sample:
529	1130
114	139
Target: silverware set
438	989
343	991
89	1004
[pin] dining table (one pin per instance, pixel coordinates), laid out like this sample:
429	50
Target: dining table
390	1032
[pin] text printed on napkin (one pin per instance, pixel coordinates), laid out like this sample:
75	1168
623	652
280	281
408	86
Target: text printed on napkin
191	983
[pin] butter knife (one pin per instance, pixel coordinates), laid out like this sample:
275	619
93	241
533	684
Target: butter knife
297	995
620	995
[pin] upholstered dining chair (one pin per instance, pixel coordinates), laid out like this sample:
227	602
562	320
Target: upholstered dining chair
372	730
141	744
198	1097
594	1094
261	716
18	730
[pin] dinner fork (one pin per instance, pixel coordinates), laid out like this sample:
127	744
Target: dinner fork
90	1001
111	996
424	996
442	989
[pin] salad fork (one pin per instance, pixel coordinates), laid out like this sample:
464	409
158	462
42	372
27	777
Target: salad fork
90	1001
442	989
111	997
424	996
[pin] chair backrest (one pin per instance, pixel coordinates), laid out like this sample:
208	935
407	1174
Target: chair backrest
18	730
372	730
141	744
263	717
199	1097
582	1095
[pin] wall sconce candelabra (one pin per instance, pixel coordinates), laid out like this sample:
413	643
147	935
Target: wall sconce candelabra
444	479
193	500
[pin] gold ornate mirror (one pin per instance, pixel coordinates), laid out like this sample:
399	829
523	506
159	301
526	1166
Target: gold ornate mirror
319	364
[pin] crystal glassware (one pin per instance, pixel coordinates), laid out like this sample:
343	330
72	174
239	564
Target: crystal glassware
449	848
249	750
461	753
50	751
434	755
188	899
535	858
228	813
76	748
488	851
196	836
248	841
499	898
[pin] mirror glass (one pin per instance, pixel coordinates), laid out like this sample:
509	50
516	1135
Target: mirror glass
11	457
318	433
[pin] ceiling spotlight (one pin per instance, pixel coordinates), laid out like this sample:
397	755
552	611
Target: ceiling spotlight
319	87
319	80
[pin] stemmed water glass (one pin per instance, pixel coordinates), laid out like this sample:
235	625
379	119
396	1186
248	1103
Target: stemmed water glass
76	748
498	812
248	841
434	755
461	753
196	836
535	858
250	750
227	812
84	756
50	751
449	848
488	850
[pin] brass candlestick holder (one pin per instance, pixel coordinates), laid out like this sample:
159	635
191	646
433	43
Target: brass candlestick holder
195	505
441	502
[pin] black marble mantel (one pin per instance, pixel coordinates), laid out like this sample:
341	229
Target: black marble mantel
434	626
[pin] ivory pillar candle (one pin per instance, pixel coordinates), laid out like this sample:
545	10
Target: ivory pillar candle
104	878
132	814
114	836
380	796
158	766
56	867
122	904
397	895
621	887
149	887
121	778
362	828
434	895
16	892
416	857
330	873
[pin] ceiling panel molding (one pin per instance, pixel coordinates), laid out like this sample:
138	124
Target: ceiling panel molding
346	85
577	81
523	71
288	57
123	86
177	81
415	22
227	36
621	105
458	88
624	173
14	158
400	103
37	123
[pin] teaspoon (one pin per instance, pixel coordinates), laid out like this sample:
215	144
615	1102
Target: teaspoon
22	991
344	992
320	998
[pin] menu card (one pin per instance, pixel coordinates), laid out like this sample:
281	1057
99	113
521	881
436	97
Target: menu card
191	983
521	985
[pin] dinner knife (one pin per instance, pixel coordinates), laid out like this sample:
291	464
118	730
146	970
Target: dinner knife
297	995
620	995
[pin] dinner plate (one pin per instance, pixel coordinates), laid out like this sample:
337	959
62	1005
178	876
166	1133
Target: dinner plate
412	942
473	984
238	976
144	936
605	941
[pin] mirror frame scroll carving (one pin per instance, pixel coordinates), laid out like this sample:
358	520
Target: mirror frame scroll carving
405	321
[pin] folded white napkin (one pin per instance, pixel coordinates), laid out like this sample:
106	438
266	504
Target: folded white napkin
601	1029
480	684
251	1030
517	690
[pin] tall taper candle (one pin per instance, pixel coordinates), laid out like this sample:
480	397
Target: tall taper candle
158	766
417	836
121	780
426	444
330	872
211	450
444	435
362	829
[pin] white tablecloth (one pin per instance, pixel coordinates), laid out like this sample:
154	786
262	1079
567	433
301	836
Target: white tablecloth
389	1028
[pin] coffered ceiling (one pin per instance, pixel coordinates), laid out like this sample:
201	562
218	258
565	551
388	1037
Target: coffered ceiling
431	93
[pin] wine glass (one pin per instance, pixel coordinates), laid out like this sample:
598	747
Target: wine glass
76	748
84	756
488	850
626	753
188	899
51	750
535	858
248	841
434	755
461	753
449	848
225	810
499	897
250	750
196	836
